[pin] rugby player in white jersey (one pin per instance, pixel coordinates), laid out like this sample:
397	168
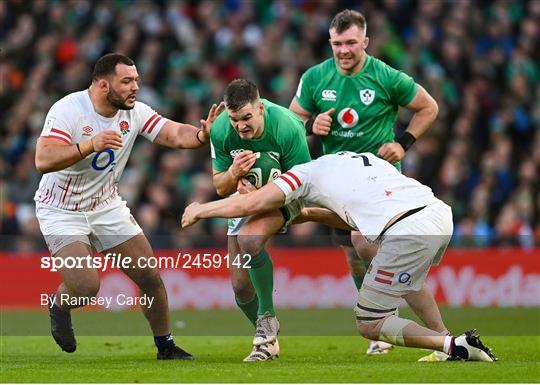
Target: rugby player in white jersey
412	227
82	151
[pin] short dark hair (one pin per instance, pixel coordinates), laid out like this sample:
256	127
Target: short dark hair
106	65
346	19
240	92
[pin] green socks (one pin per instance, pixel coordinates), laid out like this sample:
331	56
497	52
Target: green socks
358	281
261	273
249	308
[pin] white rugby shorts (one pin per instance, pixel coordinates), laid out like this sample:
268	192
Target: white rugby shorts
103	228
408	249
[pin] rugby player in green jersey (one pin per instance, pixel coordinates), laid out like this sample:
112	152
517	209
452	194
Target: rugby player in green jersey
351	102
249	128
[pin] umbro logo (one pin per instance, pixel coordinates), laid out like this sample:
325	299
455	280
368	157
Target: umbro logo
87	131
329	95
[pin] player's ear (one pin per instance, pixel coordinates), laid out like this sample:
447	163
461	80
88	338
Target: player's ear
103	85
366	42
261	106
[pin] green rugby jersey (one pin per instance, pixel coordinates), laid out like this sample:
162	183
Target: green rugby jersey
284	135
366	104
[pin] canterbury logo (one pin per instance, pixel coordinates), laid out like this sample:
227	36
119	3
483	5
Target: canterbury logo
273	155
329	95
236	152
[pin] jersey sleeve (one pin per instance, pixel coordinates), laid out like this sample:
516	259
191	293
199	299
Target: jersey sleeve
304	93
402	87
58	124
221	159
150	121
294	183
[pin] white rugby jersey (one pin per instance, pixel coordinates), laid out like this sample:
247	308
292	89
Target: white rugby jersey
364	190
91	182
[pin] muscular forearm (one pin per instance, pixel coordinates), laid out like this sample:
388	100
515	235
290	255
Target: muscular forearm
225	183
52	157
192	137
321	215
231	207
268	198
422	120
182	136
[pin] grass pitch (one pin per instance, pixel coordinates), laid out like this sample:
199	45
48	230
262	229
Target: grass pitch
332	353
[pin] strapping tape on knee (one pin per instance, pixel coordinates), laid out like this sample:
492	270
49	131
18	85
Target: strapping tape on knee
373	306
392	330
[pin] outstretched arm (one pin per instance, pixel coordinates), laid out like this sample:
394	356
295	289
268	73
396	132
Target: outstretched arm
269	197
182	135
321	215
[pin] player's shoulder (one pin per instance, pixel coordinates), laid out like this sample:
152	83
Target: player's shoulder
140	106
379	67
73	102
321	70
142	109
222	122
281	117
275	110
303	171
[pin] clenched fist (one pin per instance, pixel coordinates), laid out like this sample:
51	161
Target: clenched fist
323	123
190	215
391	152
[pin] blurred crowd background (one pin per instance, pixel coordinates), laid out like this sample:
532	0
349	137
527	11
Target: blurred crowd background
479	59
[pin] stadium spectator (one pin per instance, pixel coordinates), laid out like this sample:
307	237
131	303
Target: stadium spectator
479	61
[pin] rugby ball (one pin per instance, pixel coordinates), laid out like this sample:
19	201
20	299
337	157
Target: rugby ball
265	169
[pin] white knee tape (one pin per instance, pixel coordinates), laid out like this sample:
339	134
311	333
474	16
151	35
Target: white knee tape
392	330
375	304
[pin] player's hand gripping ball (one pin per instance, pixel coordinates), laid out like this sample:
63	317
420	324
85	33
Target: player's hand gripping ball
265	169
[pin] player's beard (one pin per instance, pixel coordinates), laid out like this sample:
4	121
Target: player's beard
117	101
353	61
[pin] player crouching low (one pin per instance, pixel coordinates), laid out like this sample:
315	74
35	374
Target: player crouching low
412	227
